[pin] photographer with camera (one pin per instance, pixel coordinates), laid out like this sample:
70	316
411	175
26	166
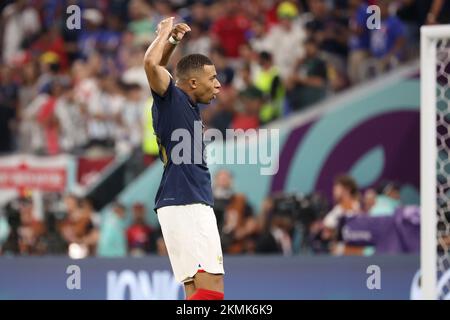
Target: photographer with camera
286	220
277	228
235	220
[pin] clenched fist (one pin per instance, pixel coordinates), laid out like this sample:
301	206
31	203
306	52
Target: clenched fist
165	27
179	31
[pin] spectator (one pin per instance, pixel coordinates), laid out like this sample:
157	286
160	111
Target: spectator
307	84
71	204
199	15
319	238
101	117
110	37
224	71
285	40
248	118
48	120
345	194
140	235
112	241
13	222
278	238
268	80
271	15
234	215
134	73
53	242
359	39
224	113
246	72
415	13
72	121
230	29
199	42
30	231
9	88
328	31
20	23
28	89
149	142
387	43
131	118
346	197
258	32
90	35
143	20
164	9
51	41
79	228
49	70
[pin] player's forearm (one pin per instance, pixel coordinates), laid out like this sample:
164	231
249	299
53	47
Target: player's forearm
155	52
168	50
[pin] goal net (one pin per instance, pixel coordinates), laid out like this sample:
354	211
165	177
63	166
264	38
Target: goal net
435	162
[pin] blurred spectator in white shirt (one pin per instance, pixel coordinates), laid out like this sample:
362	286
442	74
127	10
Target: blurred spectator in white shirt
20	22
199	42
285	40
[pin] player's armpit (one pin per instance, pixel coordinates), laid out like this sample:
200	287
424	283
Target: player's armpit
158	77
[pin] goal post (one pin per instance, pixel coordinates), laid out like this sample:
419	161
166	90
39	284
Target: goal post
434	155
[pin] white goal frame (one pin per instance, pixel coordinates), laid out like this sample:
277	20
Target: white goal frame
428	157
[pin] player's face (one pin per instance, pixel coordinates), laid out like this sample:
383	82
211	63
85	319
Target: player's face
208	85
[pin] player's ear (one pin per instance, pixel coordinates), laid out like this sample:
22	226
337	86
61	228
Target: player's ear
193	83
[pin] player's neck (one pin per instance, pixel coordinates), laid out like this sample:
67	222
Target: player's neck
189	93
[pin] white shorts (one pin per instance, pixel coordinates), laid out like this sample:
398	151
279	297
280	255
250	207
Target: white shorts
192	239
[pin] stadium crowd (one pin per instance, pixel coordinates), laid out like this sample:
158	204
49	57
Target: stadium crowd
288	224
84	91
72	90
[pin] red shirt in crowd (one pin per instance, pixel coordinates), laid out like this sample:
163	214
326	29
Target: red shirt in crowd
231	33
243	121
138	236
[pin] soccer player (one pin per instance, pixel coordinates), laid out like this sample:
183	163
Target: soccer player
184	199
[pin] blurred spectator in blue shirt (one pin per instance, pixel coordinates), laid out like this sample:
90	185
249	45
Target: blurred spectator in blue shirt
112	242
359	39
387	43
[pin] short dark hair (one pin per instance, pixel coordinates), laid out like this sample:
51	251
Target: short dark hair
265	56
190	63
348	183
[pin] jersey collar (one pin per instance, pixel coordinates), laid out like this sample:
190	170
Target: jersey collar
191	103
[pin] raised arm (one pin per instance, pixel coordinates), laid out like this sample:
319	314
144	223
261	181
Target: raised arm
159	52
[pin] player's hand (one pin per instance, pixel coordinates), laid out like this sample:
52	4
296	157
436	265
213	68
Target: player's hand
179	30
165	27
